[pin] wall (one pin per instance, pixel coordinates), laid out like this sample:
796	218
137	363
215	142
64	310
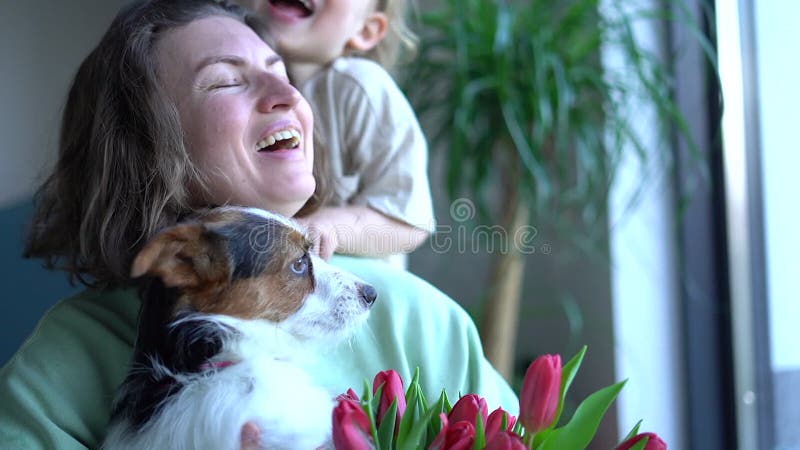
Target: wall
645	292
41	44
779	97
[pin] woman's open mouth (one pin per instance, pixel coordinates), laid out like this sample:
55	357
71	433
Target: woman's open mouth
288	139
296	8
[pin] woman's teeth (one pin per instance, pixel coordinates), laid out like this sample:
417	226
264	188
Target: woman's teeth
284	138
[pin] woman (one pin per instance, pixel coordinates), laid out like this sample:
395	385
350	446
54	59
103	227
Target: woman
160	121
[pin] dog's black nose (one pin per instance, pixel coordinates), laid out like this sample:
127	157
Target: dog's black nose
368	294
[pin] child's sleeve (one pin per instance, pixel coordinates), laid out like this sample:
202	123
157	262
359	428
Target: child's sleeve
387	148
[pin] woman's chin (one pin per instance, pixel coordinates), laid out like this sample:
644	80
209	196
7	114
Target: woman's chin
290	207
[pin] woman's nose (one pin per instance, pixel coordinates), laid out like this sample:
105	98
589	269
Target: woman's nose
277	93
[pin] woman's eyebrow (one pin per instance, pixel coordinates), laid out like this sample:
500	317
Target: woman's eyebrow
217	59
234	61
274	59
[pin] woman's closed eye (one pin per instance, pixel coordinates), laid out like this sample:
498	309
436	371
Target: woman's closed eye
225	84
220	76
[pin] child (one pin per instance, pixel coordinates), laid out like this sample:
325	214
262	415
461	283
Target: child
336	51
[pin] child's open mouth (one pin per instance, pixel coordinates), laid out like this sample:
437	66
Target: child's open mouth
298	8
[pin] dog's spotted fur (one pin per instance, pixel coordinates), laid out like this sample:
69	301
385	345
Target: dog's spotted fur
229	298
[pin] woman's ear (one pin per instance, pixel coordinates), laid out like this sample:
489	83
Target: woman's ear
374	29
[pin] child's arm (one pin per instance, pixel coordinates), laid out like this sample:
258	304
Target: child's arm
362	231
379	159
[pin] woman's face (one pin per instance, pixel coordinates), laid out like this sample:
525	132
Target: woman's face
246	128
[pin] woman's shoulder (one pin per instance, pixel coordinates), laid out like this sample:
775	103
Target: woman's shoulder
57	389
417	295
78	321
414	324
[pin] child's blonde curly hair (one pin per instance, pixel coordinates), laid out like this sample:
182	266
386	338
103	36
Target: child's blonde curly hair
400	43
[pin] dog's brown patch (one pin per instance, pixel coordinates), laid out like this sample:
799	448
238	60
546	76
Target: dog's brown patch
221	216
185	257
274	294
233	263
274	297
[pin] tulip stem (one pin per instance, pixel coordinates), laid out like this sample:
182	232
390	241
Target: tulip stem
528	440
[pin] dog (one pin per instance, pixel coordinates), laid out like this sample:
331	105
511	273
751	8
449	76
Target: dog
230	299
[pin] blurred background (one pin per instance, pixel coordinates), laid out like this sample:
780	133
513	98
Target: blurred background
679	277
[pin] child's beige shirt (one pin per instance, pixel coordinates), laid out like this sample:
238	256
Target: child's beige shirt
377	153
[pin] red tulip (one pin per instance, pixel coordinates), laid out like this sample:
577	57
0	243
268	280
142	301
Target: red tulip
350	395
392	389
351	427
455	436
541	391
505	440
653	442
467	409
495	422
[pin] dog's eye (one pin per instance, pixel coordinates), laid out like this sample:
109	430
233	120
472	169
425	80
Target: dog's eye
300	267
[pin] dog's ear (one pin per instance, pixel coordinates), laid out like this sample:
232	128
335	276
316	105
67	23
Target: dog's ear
184	256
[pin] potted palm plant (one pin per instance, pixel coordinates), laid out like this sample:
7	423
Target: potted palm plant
516	93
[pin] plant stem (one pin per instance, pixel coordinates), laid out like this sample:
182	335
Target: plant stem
501	312
528	440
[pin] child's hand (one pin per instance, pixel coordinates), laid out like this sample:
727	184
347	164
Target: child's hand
323	235
359	230
250	437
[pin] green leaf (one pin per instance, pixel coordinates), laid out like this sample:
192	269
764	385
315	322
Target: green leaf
518	428
375	401
367	395
407	436
366	405
435	423
568	372
540	437
641	444
406	423
633	431
414	383
480	433
580	430
373	428
386	428
416	436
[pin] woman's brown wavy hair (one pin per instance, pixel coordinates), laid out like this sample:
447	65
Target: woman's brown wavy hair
122	171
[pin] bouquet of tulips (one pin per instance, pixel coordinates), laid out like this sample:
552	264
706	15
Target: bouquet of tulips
389	417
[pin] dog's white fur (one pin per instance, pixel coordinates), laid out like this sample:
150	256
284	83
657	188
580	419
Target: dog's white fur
264	385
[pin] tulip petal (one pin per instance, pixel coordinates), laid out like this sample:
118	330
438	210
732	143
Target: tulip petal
505	440
541	393
653	442
351	427
468	408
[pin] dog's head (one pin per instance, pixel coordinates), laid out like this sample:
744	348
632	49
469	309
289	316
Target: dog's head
254	265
